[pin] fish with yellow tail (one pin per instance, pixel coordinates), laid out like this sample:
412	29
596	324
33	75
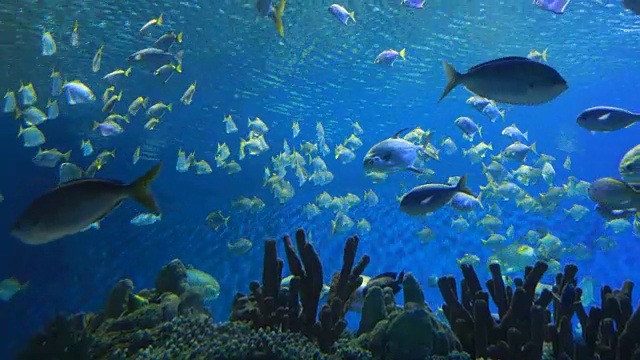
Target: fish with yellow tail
75	205
266	9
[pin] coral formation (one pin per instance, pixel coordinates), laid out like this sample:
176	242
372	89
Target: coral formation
272	322
525	328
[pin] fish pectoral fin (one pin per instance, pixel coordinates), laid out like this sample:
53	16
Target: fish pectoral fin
426	200
604	116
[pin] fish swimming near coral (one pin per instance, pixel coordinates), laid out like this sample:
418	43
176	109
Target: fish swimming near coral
75	205
390	280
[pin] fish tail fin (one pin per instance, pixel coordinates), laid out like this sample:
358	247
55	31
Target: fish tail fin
403	54
490	146
453	78
128	71
179	38
170	107
462	186
526	135
533	148
544	55
160	20
480	200
145	102
353	16
95	125
277	17
67	155
179	67
140	190
20	131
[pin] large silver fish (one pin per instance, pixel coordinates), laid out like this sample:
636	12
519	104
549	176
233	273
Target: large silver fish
394	154
510	80
428	198
72	207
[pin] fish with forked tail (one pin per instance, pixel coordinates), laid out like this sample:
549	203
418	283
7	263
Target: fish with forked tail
73	206
266	8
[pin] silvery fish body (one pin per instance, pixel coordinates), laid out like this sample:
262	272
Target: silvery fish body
78	93
341	13
391	155
465	202
428	198
513	133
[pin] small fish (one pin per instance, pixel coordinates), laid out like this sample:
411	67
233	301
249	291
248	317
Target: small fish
389	56
606	118
393	154
50	158
136	156
68	172
295	127
413	4
230	125
167	70
428	198
78	93
72	207
151	23
536	55
511	80
111	103
464	202
159	109
258	126
155	56
167	40
29	95
52	109
518	151
468	127
151	124
216	220
31	136
202	167
108	128
97	60
493	112
555	6
56	83
75	37
137	104
188	94
567	163
10	104
548	173
145	219
32	115
113	76
513	133
48	44
449	146
86	147
342	14
478	102
240	246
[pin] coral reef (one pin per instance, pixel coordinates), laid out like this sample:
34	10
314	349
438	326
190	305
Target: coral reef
272	322
525	328
268	305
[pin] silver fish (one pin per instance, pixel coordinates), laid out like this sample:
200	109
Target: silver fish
394	154
428	198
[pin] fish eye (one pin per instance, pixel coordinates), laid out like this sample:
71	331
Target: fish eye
628	168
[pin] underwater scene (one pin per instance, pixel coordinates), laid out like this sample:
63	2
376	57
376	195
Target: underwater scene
303	179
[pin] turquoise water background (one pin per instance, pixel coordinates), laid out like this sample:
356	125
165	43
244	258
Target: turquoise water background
321	71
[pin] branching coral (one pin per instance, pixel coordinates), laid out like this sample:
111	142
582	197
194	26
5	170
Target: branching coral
524	323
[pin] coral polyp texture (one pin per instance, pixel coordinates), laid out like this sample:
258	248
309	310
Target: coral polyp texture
274	321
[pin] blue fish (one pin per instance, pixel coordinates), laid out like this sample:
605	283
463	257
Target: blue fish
555	6
464	202
513	133
428	198
414	4
342	14
468	127
388	57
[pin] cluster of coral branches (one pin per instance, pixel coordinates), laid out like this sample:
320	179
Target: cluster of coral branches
525	328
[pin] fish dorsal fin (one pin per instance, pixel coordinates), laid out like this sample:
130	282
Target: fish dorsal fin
397	135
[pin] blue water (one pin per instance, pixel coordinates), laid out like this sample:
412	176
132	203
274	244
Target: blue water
321	71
